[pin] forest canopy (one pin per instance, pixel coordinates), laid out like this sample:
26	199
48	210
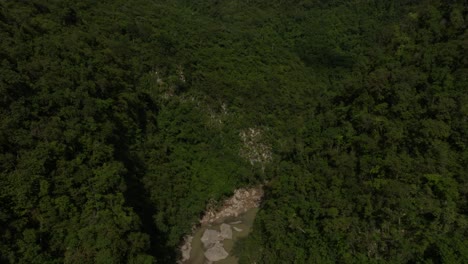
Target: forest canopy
120	121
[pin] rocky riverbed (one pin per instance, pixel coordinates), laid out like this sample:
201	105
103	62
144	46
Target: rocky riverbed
220	228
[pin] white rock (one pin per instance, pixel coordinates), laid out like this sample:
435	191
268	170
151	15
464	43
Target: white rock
186	248
216	253
237	229
226	231
210	237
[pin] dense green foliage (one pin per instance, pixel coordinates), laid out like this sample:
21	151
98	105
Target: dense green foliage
120	122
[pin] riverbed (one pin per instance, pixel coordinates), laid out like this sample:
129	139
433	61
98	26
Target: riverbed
241	227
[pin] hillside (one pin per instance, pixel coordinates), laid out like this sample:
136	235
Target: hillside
122	121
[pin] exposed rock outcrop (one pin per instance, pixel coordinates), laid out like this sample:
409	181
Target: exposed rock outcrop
255	149
239	203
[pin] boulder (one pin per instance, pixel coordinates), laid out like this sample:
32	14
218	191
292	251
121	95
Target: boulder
216	253
226	231
237	229
186	248
210	237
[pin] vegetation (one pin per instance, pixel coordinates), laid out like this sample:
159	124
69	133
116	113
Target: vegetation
121	120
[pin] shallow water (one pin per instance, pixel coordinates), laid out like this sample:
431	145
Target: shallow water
197	253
